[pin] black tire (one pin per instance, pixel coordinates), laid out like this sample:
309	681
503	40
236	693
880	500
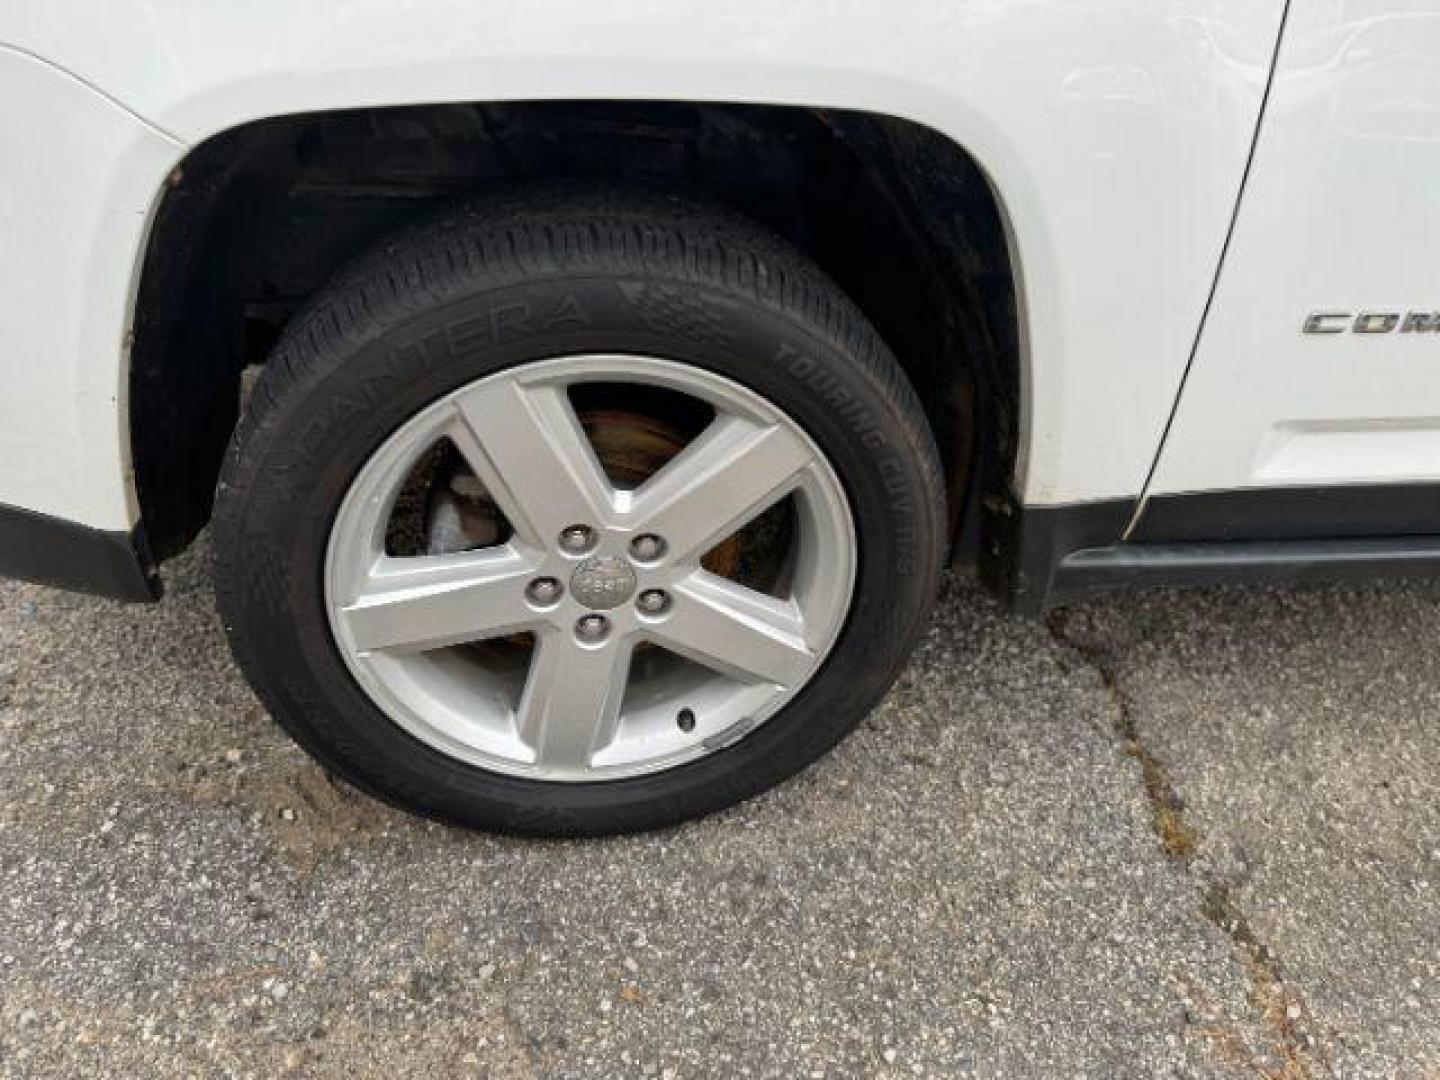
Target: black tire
652	276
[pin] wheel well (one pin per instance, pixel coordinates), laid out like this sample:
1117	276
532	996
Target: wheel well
258	218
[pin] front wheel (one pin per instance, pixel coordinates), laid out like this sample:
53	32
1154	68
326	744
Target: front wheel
577	515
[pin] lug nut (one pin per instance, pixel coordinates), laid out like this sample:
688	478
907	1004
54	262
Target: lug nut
647	547
653	602
577	539
543	591
592	628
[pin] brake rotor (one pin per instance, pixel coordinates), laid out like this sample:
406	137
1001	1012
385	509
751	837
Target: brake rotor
631	447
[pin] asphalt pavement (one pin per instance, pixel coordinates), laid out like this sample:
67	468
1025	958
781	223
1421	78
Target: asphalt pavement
1155	835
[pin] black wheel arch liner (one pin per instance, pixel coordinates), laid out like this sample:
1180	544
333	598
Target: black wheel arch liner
257	217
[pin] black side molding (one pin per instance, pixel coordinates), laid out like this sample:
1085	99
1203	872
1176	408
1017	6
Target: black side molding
1336	511
1034	557
1023	548
67	555
1242	562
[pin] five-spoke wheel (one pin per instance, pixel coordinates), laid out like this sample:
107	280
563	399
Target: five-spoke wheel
590	573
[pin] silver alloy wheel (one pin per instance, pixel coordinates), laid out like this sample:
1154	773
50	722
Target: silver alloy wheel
627	564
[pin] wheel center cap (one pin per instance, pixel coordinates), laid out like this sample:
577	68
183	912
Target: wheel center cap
602	582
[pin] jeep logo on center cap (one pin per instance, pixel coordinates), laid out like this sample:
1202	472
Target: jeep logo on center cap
602	582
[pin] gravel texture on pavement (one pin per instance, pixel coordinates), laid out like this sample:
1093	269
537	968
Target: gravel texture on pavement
1163	835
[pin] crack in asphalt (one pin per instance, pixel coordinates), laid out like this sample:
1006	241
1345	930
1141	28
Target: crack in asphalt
1285	1018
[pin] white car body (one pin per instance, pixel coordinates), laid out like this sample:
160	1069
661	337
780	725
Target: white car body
1183	183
